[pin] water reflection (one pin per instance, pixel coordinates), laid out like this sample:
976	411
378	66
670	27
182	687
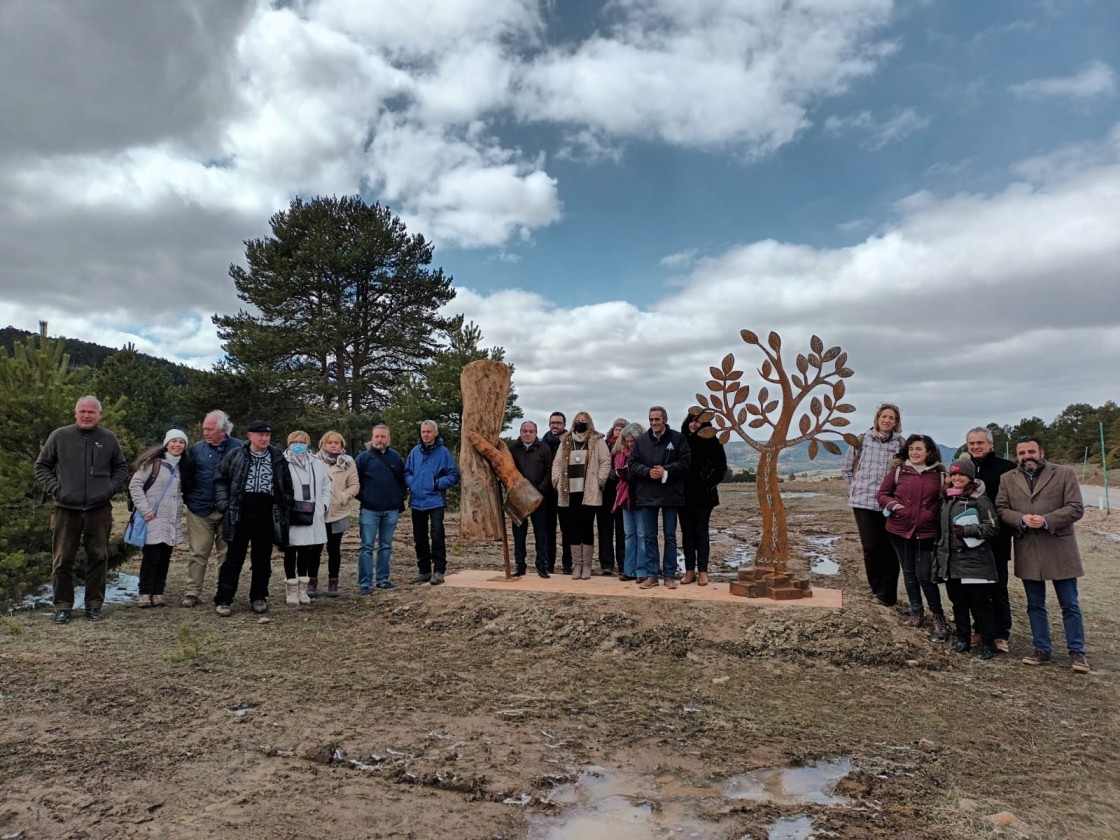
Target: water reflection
120	588
793	785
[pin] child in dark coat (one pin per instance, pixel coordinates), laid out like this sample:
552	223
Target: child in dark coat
964	559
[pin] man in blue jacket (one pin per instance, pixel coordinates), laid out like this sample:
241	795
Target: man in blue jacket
381	495
658	465
204	520
429	471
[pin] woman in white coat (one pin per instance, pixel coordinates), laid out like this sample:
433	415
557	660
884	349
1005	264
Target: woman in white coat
157	496
307	530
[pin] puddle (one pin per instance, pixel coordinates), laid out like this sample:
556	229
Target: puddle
801	494
792	785
120	588
241	711
821	562
615	805
791	828
740	556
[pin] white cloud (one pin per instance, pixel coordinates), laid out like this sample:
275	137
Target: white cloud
877	133
1095	79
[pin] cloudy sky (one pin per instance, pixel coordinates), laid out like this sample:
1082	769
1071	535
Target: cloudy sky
618	187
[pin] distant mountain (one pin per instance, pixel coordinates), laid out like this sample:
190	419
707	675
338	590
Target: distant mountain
87	354
741	455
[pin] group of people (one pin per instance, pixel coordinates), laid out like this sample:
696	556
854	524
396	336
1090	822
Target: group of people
959	526
242	498
621	485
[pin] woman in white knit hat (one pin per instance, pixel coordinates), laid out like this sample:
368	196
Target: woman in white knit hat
157	496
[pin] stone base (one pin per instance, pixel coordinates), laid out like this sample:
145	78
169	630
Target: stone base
770	582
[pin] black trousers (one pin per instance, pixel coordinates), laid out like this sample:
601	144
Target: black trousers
298	560
612	540
334	555
430	555
1001	601
253	531
520	540
155	560
578	523
695	537
974	598
880	561
552	521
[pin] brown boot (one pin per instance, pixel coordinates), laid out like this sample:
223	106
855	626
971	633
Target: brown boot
689	577
702	579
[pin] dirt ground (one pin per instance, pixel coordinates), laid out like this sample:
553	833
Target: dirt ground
435	712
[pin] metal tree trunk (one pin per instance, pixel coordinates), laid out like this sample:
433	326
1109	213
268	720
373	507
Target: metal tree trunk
774	547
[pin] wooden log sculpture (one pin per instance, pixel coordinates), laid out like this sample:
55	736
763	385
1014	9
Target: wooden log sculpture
522	498
485	385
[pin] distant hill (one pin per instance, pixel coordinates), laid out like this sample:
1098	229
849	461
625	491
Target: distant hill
740	455
87	354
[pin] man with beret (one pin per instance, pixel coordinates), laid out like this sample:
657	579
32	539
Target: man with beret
253	490
1041	502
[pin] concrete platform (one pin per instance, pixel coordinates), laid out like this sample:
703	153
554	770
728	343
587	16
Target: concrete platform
612	587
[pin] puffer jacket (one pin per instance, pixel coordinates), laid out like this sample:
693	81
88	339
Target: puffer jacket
229	488
912	498
165	528
956	560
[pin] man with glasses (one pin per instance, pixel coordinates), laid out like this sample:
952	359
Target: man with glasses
658	465
552	511
990	469
1041	502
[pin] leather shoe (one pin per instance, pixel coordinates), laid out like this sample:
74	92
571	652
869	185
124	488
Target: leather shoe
1079	663
1039	657
648	583
1002	646
689	577
702	579
670	583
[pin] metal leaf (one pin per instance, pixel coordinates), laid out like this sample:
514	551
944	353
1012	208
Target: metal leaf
732	387
766	369
775	342
804	424
802	364
724	437
770	406
851	439
749	337
797	381
716	373
757	424
814	360
703	400
741	417
840	421
763	395
728	363
844	372
707	432
742	394
735	374
713	385
842	359
845	408
838	390
717	403
831	447
695	409
827	402
814	448
815	407
830	354
753	409
816	344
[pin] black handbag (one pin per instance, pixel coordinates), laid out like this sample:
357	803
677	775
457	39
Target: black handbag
303	513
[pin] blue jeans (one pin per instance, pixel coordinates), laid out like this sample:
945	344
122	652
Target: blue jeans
649	525
375	526
1066	590
520	537
633	529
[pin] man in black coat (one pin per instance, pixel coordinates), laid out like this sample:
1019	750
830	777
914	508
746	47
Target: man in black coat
657	467
990	468
533	459
552	511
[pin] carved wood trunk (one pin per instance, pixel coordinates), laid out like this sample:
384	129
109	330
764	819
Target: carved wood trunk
485	385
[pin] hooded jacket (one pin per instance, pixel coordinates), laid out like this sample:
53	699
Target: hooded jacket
709	466
955	559
913	499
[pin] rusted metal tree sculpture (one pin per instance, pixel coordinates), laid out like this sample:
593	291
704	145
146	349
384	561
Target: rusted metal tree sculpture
733	410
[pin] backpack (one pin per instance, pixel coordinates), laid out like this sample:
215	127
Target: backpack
148	482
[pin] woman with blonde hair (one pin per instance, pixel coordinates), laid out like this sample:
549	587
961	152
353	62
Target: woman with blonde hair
307	527
344	487
579	471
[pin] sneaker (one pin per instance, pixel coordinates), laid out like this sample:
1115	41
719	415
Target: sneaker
224	610
260	606
962	646
386	584
1002	646
1079	663
94	614
61	617
437	578
189	601
986	651
670	583
917	618
1039	657
421	579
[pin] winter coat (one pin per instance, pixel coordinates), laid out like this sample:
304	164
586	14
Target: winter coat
595	474
81	468
1049	553
709	466
344	485
322	490
670	451
429	473
165	528
990	469
229	490
913	499
866	466
534	462
954	559
381	484
196	473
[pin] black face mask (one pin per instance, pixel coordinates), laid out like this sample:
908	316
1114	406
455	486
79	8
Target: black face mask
580	427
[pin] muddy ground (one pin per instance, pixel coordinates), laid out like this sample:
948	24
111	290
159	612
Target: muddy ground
434	712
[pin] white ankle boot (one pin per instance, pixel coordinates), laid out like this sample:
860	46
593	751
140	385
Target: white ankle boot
291	592
301	590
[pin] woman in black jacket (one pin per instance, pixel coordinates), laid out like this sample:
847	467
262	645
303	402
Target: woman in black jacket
709	465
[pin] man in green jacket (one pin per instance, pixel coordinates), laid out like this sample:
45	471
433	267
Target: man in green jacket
81	466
